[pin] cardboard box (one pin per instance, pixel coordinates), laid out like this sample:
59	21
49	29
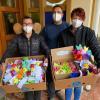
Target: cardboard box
28	87
61	81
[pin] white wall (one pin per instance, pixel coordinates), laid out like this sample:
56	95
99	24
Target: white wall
87	6
96	20
98	32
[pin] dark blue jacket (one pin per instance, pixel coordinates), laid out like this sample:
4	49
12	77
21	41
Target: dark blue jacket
51	33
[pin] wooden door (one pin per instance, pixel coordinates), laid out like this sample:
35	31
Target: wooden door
11	11
32	8
40	9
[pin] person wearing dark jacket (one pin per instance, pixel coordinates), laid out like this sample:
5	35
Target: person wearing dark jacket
50	33
77	34
27	44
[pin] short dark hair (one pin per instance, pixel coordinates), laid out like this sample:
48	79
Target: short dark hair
27	17
57	6
78	12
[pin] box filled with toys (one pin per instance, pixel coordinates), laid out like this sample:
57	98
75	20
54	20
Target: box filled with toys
73	67
24	74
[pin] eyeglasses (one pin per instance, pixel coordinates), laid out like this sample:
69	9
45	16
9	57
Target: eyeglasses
26	24
58	12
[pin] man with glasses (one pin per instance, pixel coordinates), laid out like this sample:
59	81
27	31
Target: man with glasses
27	44
51	33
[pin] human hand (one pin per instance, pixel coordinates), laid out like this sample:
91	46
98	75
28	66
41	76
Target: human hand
2	66
98	72
0	70
46	63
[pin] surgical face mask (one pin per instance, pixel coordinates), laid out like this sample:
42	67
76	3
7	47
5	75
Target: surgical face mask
57	17
76	23
28	29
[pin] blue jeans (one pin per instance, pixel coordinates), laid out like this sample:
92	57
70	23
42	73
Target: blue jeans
77	93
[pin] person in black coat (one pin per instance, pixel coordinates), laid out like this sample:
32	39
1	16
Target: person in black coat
77	34
27	44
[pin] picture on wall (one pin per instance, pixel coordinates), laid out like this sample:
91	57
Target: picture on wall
9	3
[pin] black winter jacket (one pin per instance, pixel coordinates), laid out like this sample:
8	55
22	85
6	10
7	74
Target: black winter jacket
84	36
24	47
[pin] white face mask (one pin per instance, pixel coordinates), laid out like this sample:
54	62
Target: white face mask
28	29
76	23
57	17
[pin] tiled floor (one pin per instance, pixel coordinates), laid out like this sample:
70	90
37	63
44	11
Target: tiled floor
94	94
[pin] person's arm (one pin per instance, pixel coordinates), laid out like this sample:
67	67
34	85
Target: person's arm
10	51
45	50
43	33
94	46
67	25
60	40
44	46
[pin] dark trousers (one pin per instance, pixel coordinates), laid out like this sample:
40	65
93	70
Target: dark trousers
36	95
49	81
50	85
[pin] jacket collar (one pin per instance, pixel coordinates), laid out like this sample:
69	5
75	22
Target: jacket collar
78	29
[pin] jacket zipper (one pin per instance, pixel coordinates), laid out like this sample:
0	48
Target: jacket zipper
29	47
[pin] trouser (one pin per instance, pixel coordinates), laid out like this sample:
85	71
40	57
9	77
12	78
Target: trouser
77	93
50	84
36	95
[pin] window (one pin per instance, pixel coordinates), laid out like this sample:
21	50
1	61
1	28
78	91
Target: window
35	16
9	3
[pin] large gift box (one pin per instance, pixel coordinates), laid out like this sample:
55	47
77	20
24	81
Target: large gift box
22	74
65	77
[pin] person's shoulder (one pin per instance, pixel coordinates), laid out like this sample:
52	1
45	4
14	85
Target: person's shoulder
49	25
40	37
48	28
19	36
35	35
89	32
66	23
16	39
88	29
65	30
